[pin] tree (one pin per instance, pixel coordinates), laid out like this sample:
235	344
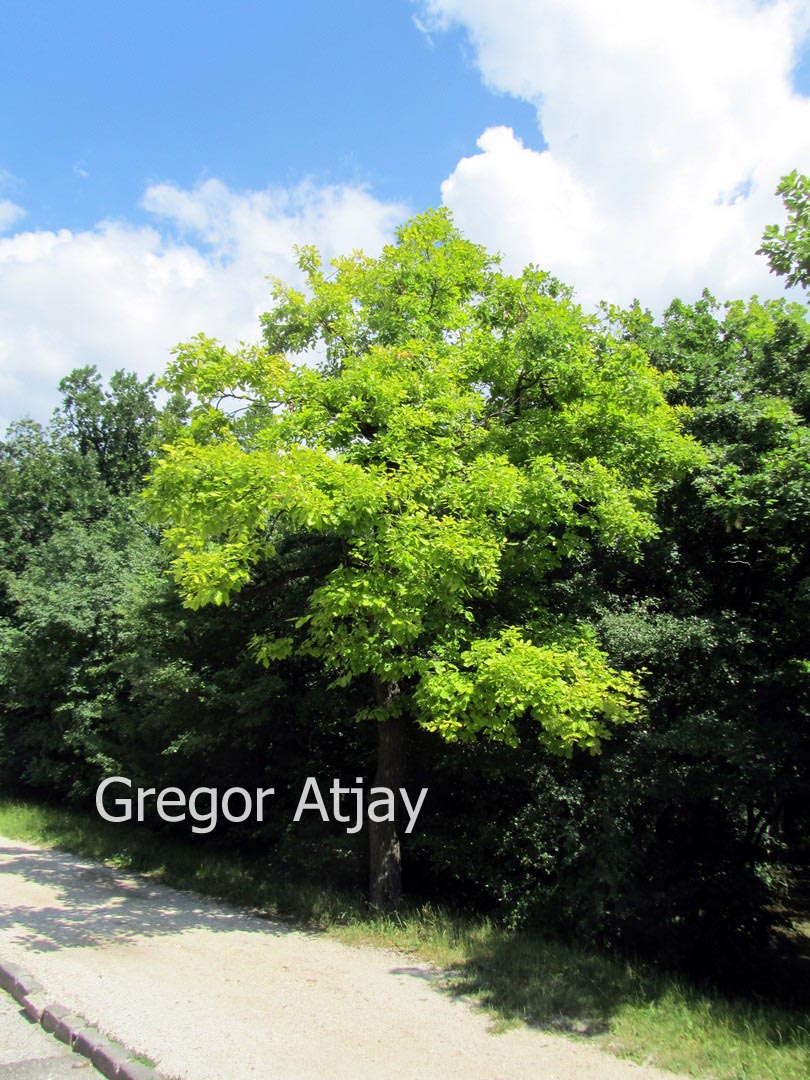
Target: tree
42	477
788	250
715	783
115	426
465	436
95	449
71	551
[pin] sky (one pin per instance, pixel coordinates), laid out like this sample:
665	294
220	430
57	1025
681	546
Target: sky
158	161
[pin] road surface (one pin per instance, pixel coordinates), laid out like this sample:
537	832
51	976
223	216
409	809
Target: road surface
27	1053
210	992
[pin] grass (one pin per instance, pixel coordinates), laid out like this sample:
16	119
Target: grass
519	978
143	1059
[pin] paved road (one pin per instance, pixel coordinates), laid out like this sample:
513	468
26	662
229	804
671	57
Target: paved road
212	993
27	1053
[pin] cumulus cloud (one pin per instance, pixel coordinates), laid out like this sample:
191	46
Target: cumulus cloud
10	214
120	295
666	129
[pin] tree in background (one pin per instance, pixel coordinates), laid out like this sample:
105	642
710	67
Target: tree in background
115	427
702	798
102	672
788	249
73	558
465	436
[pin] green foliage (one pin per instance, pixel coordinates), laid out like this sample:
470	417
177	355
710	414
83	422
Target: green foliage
466	436
62	653
74	564
718	613
566	688
788	249
114	427
42	477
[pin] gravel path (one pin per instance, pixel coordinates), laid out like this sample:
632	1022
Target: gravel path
212	993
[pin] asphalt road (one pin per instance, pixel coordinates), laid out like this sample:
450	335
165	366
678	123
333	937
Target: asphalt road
27	1053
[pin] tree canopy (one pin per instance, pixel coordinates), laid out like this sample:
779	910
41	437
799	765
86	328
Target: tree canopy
463	435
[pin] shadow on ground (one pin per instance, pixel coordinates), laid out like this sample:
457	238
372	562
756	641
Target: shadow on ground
551	987
86	904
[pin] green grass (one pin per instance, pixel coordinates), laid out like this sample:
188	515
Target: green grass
143	1059
518	977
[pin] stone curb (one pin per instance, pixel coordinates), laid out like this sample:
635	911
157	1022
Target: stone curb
110	1058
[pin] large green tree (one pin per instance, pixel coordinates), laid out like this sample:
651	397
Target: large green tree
461	436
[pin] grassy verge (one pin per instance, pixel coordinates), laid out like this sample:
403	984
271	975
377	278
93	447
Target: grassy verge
519	977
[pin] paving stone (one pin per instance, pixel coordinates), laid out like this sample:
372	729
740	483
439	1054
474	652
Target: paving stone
9	973
68	1028
108	1057
34	1006
135	1070
51	1016
86	1041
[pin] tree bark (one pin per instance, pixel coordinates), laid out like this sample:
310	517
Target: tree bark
385	879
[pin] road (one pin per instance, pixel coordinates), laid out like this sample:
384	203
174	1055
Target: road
210	992
27	1053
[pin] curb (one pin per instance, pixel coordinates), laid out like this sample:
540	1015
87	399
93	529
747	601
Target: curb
110	1058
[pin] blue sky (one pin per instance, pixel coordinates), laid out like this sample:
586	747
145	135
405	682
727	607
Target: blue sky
159	160
105	98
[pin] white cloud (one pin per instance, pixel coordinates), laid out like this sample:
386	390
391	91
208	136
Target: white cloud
119	295
10	214
667	126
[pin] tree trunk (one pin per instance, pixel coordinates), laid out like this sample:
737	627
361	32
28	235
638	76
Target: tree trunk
385	880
